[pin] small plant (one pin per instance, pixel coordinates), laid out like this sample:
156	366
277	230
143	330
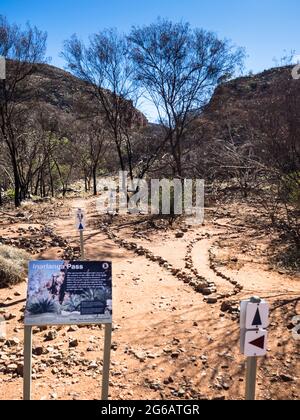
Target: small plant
42	306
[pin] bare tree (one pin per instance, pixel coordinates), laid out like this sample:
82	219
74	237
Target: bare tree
178	68
106	65
92	145
22	48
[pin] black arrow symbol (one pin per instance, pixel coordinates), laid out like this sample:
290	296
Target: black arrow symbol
259	342
257	319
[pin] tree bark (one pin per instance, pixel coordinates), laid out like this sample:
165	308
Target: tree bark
95	180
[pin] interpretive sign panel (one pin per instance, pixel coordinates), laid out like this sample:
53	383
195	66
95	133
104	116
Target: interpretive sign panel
69	293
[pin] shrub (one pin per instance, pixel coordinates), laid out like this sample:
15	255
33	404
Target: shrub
13	266
10	194
292	188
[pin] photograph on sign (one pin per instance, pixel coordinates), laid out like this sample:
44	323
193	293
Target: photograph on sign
256	343
67	293
80	219
257	315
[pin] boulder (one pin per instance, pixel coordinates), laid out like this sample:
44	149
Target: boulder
179	235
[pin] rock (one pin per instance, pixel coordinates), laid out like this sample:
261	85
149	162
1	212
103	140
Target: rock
208	291
201	286
42	328
226	386
203	359
114	346
38	351
12	342
156	386
151	356
141	356
93	365
212	300
73	328
286	378
51	335
11	368
228	306
9	317
181	392
169	380
225	367
73	343
179	235
20	369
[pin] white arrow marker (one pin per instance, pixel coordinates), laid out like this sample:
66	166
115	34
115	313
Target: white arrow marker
257	315
256	343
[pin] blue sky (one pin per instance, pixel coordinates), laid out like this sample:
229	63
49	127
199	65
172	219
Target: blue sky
264	27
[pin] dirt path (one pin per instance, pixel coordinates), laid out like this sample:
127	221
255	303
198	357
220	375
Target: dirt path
168	342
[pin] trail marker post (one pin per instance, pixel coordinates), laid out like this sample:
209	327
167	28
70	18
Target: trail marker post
254	322
80	222
82	246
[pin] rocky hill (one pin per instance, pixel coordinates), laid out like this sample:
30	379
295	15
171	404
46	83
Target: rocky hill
256	116
254	87
237	100
58	91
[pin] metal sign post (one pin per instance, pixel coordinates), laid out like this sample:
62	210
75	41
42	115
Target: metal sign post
251	378
80	222
253	322
82	254
27	373
106	362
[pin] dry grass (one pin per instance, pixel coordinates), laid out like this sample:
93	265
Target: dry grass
13	266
